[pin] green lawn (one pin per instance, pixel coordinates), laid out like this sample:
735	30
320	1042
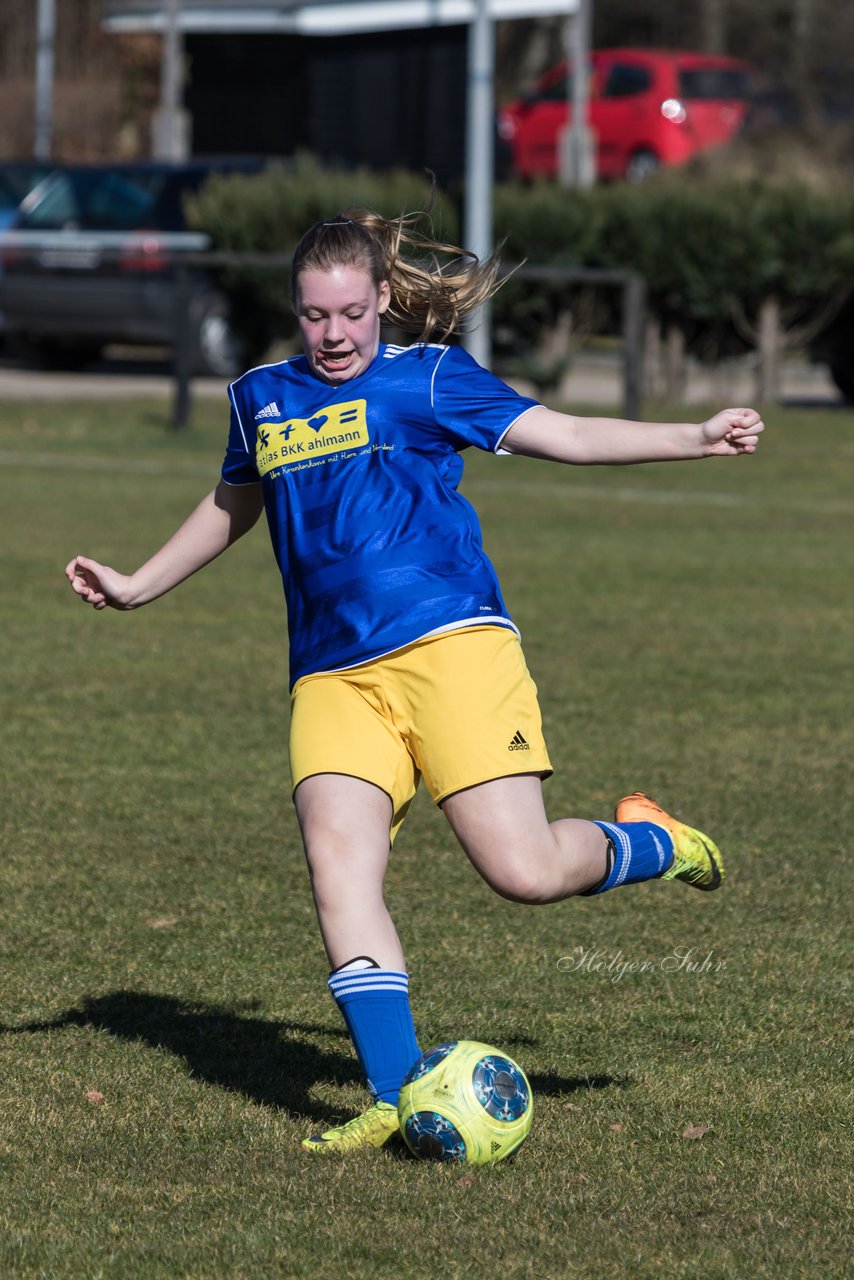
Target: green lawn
167	1036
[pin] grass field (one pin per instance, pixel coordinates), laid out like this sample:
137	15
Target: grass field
167	1037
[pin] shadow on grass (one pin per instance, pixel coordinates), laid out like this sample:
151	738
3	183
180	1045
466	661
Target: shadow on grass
271	1063
552	1086
547	1083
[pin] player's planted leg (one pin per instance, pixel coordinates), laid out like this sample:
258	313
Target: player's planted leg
345	826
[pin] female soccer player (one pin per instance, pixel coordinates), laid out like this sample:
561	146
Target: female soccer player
404	660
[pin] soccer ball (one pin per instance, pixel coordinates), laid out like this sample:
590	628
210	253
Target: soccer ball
465	1101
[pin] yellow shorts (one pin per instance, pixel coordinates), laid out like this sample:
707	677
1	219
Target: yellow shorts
459	708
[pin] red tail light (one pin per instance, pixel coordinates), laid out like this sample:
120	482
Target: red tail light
9	256
143	253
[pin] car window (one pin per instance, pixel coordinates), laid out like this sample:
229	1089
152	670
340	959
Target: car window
713	83
17	180
96	201
625	80
52	207
121	199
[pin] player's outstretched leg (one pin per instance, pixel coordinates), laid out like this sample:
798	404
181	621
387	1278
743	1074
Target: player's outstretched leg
696	859
373	1128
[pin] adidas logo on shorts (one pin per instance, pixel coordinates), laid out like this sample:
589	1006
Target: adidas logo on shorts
518	743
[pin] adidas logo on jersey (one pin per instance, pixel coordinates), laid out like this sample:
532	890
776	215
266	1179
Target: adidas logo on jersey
269	411
518	743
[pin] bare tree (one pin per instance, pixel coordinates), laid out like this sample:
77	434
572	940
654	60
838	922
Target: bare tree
105	86
802	60
713	14
523	50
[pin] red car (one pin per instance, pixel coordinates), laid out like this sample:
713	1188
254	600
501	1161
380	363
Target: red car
647	108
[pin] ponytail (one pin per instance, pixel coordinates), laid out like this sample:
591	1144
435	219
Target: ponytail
434	286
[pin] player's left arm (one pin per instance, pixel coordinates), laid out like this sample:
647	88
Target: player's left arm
563	437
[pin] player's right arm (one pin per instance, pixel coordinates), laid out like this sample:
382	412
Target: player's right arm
220	519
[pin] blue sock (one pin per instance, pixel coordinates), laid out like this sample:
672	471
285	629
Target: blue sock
374	1003
641	851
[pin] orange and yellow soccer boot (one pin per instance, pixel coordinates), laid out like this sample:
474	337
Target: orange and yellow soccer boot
696	859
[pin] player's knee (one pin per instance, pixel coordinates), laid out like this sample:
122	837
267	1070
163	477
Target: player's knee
521	878
331	855
339	865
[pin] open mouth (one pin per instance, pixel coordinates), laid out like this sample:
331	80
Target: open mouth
334	359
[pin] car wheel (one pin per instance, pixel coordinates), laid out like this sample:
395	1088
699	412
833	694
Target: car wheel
641	165
217	349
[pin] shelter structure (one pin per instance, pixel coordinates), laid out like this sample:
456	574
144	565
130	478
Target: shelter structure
384	83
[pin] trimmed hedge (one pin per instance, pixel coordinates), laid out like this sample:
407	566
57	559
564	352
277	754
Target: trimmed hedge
707	253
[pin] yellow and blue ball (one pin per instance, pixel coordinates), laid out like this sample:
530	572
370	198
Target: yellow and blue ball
465	1101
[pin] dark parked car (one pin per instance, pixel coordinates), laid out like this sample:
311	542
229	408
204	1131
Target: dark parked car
89	259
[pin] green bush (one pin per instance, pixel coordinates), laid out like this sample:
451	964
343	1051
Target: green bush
707	251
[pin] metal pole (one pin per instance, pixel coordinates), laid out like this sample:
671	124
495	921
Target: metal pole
634	320
45	41
169	143
577	167
182	356
480	106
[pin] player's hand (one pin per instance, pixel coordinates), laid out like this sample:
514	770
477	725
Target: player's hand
98	584
732	431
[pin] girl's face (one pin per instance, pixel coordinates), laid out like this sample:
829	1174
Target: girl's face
339	318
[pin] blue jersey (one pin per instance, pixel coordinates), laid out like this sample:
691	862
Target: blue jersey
376	547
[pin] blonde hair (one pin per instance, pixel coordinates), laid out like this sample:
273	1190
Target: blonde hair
428	296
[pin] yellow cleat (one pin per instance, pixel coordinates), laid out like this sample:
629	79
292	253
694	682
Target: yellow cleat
696	859
373	1128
